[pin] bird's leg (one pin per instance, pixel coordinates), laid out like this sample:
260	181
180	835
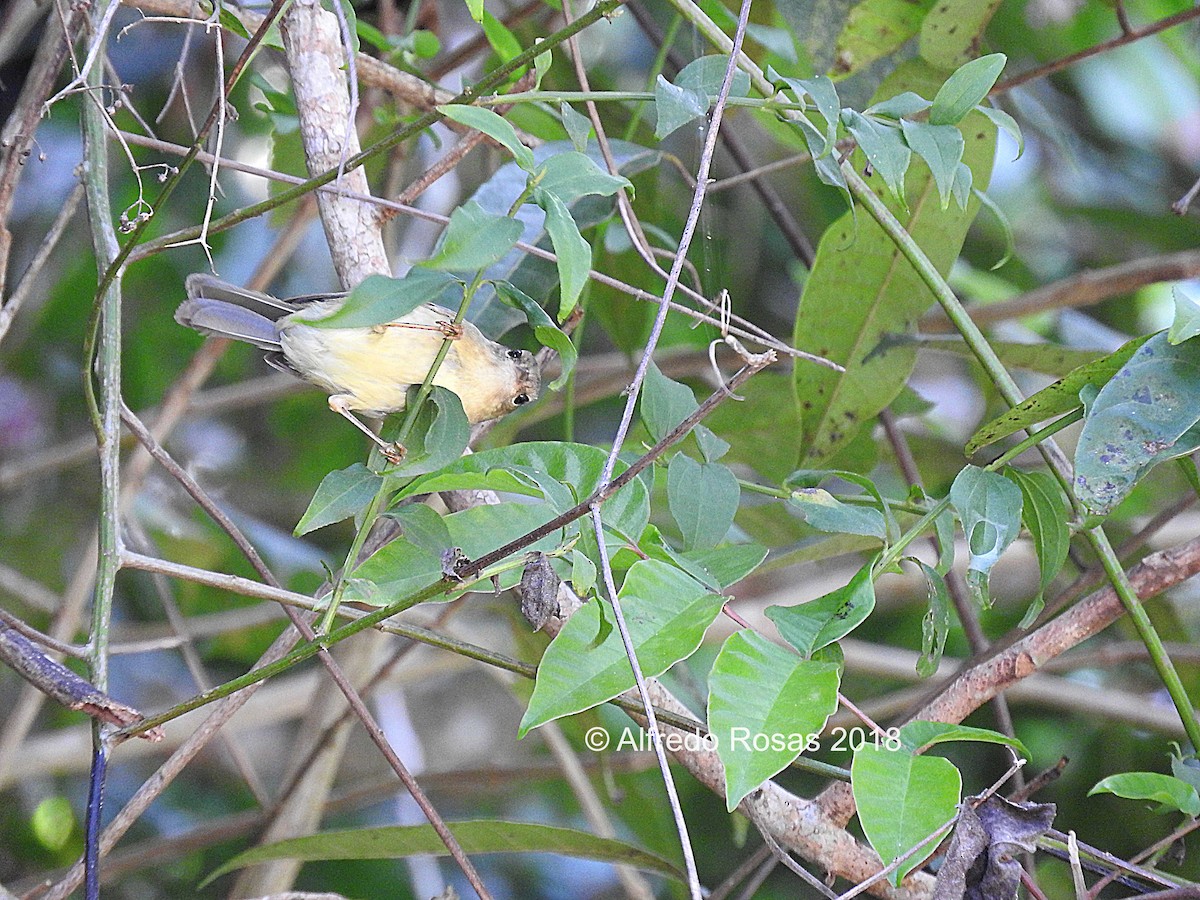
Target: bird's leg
340	404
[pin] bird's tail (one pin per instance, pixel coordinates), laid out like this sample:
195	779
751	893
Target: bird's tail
225	310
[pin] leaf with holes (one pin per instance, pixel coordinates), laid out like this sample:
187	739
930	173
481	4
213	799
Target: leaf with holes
989	506
810	626
1054	400
1146	414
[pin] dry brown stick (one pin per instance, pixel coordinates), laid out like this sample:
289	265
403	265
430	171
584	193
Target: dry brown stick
62	685
981	682
17	135
1083	289
372	72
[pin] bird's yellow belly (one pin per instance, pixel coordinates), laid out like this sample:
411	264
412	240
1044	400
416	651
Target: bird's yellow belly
373	368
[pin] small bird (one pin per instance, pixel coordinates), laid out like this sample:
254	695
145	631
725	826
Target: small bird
366	369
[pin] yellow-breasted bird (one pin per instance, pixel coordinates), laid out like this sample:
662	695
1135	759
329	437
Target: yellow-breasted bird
366	369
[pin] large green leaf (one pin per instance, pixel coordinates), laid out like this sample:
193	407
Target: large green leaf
952	30
340	495
764	430
474	239
902	800
875	29
494	126
703	498
438	437
861	288
403	566
1169	792
378	299
1147	413
1055	399
766	705
667	612
402	841
576	467
810	626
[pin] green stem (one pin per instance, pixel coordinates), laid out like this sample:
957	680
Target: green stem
386	488
1054	457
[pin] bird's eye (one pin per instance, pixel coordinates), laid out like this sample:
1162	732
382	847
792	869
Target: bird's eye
520	399
515	354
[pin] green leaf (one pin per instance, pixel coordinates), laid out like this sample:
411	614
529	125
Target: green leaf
583	574
494	126
1167	790
941	146
1045	514
378	299
473	240
918	736
573	252
825	512
395	570
901	106
875	29
475	8
403	566
884	147
953	30
765	706
575	466
1005	122
966	89
1186	324
547	333
703	498
935	625
728	565
570	175
340	495
857	259
577	125
667	613
1056	399
501	40
810	626
1146	414
675	106
706	73
753	427
439	434
478	837
823	93
664	403
902	800
989	506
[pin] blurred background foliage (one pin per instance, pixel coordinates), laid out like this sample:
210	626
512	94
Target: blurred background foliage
1111	142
